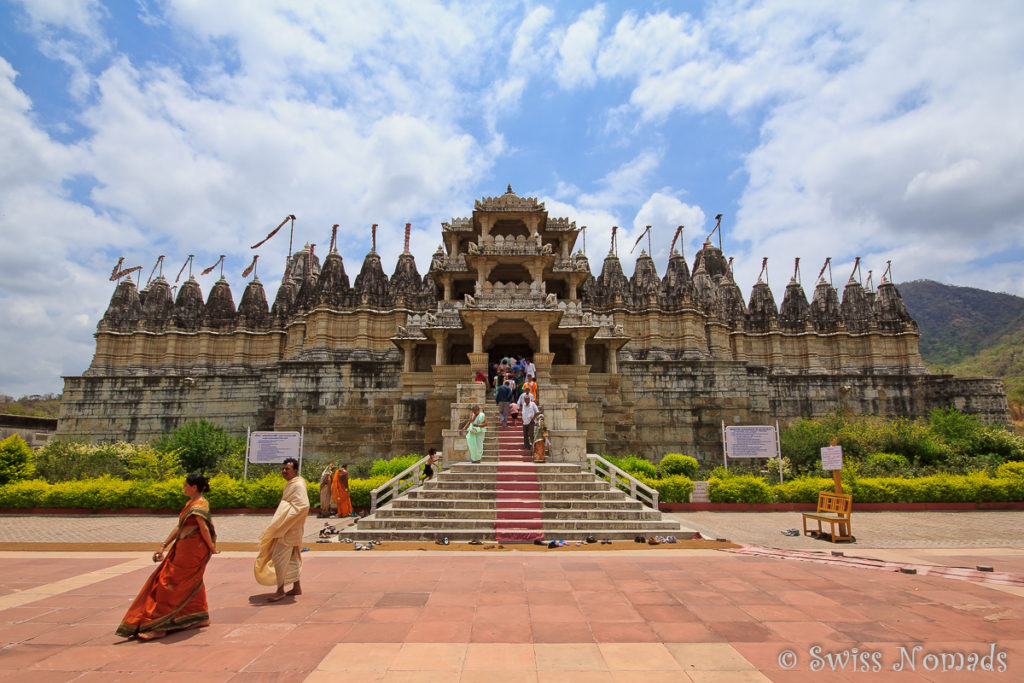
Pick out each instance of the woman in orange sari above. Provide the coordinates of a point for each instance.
(339, 489)
(174, 597)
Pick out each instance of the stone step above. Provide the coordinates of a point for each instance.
(478, 494)
(372, 523)
(549, 533)
(455, 513)
(491, 485)
(505, 475)
(468, 468)
(490, 503)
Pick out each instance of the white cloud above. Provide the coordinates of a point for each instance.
(578, 48)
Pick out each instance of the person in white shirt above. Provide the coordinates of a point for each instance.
(531, 369)
(528, 410)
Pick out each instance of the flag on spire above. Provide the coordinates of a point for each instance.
(210, 269)
(646, 230)
(671, 249)
(334, 239)
(188, 261)
(252, 266)
(289, 217)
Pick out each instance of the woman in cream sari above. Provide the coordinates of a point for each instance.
(476, 430)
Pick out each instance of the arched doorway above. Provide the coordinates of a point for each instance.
(509, 338)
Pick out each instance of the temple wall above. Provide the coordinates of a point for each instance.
(347, 408)
(139, 409)
(138, 352)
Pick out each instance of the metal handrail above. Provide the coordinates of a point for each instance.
(392, 486)
(637, 489)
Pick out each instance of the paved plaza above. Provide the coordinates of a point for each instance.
(525, 614)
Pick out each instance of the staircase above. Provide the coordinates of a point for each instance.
(507, 498)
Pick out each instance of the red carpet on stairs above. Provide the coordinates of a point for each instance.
(517, 503)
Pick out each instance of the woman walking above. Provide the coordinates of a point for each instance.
(476, 429)
(174, 597)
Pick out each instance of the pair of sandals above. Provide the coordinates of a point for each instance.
(442, 541)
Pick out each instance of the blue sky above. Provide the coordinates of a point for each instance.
(884, 130)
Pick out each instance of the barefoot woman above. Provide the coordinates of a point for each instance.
(174, 597)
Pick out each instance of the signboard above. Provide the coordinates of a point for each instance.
(274, 446)
(751, 442)
(832, 458)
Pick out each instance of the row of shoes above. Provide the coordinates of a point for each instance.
(369, 545)
(328, 530)
(442, 541)
(790, 532)
(655, 540)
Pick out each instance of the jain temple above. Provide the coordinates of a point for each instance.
(647, 363)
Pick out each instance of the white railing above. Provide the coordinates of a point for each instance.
(602, 469)
(389, 490)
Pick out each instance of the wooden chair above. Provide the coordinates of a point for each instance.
(834, 509)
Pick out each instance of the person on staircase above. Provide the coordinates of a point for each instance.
(528, 410)
(541, 444)
(428, 467)
(530, 386)
(476, 430)
(503, 398)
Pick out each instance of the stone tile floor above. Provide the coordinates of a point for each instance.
(698, 615)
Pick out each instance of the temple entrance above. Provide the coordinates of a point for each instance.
(509, 338)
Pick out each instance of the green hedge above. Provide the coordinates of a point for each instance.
(739, 488)
(677, 463)
(976, 487)
(111, 493)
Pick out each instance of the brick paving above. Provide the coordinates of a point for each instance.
(995, 528)
(697, 615)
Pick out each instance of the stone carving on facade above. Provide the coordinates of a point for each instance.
(509, 201)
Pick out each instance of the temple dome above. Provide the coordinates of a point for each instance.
(188, 308)
(825, 312)
(125, 307)
(253, 311)
(158, 308)
(220, 306)
(762, 314)
(795, 311)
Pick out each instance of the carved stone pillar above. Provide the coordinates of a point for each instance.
(579, 356)
(441, 349)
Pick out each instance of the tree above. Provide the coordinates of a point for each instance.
(16, 459)
(201, 445)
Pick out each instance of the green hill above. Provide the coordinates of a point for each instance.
(969, 332)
